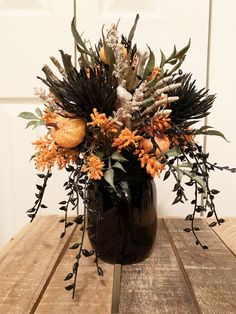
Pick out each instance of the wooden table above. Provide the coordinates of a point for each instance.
(178, 277)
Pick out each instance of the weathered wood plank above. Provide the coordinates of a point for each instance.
(156, 285)
(227, 232)
(212, 272)
(93, 293)
(27, 261)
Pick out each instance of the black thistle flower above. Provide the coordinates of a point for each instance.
(193, 104)
(80, 92)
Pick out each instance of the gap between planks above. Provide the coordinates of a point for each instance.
(181, 266)
(57, 262)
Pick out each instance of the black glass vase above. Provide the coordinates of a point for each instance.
(122, 227)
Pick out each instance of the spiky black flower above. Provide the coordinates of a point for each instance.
(80, 92)
(193, 104)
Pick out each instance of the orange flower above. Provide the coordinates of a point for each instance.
(154, 167)
(126, 138)
(161, 122)
(93, 166)
(100, 119)
(49, 153)
(49, 116)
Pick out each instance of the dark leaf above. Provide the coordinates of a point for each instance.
(221, 220)
(31, 216)
(187, 229)
(43, 206)
(205, 247)
(69, 224)
(41, 175)
(70, 168)
(75, 267)
(70, 287)
(100, 271)
(62, 235)
(197, 242)
(79, 219)
(177, 199)
(196, 228)
(87, 253)
(212, 224)
(189, 217)
(75, 246)
(39, 187)
(31, 210)
(62, 208)
(62, 202)
(209, 214)
(68, 276)
(62, 220)
(166, 176)
(213, 191)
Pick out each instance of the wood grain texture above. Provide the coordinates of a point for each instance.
(212, 272)
(227, 233)
(93, 293)
(27, 262)
(156, 285)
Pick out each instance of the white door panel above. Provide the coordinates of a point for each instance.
(30, 31)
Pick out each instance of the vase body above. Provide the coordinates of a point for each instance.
(122, 228)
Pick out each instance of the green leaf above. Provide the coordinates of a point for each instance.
(109, 177)
(148, 102)
(174, 152)
(186, 165)
(39, 123)
(117, 164)
(131, 33)
(180, 54)
(117, 156)
(203, 128)
(39, 112)
(214, 132)
(31, 123)
(28, 115)
(163, 60)
(150, 65)
(196, 178)
(77, 37)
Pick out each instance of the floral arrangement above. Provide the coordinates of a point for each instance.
(122, 108)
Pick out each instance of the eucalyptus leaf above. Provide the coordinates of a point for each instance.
(174, 152)
(186, 165)
(28, 115)
(109, 177)
(118, 165)
(38, 123)
(117, 156)
(31, 123)
(39, 112)
(196, 178)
